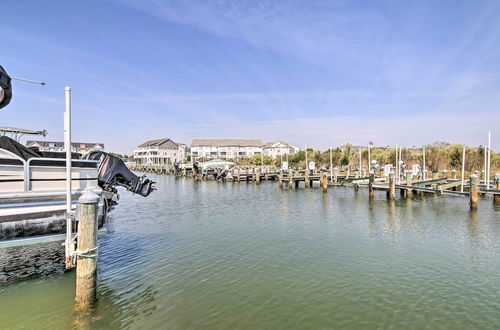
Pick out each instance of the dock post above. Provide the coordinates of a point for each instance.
(496, 181)
(370, 186)
(290, 179)
(473, 192)
(324, 182)
(306, 178)
(280, 179)
(257, 176)
(335, 178)
(391, 193)
(86, 253)
(409, 179)
(435, 175)
(356, 173)
(454, 174)
(347, 173)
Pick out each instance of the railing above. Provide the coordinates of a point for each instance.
(27, 167)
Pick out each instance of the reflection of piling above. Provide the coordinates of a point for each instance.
(473, 192)
(86, 269)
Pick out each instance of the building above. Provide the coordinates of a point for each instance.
(79, 147)
(278, 149)
(160, 151)
(225, 149)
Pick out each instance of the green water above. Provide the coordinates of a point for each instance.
(239, 256)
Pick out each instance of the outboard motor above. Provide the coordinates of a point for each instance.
(5, 88)
(113, 172)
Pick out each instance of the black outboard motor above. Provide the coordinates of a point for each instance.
(113, 172)
(5, 88)
(196, 168)
(177, 168)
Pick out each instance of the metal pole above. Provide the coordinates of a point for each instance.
(369, 160)
(28, 80)
(399, 163)
(67, 146)
(360, 148)
(423, 170)
(463, 171)
(489, 162)
(485, 164)
(331, 165)
(307, 168)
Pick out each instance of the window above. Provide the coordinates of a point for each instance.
(223, 153)
(213, 153)
(242, 153)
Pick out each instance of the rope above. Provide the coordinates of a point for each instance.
(87, 253)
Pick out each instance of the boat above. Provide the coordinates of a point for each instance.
(36, 205)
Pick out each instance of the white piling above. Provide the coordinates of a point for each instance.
(68, 251)
(463, 171)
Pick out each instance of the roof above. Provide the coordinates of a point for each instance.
(275, 144)
(226, 142)
(156, 143)
(61, 144)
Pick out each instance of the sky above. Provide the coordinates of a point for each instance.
(316, 73)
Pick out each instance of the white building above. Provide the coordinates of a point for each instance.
(225, 149)
(79, 147)
(278, 148)
(160, 151)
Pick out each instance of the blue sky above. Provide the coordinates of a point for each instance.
(315, 73)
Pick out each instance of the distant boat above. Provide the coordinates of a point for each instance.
(216, 164)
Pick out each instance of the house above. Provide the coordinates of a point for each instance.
(160, 151)
(79, 147)
(278, 149)
(225, 148)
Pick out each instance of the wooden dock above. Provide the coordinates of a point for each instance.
(295, 179)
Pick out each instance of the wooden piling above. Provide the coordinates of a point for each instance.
(257, 176)
(86, 253)
(307, 183)
(409, 182)
(391, 193)
(290, 179)
(324, 182)
(473, 191)
(371, 181)
(496, 181)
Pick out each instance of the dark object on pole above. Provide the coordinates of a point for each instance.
(5, 88)
(113, 172)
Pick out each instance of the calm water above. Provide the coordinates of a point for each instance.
(214, 256)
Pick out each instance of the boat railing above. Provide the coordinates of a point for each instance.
(28, 166)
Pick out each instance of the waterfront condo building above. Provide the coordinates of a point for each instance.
(160, 151)
(79, 147)
(225, 149)
(278, 149)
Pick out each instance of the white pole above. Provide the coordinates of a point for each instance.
(399, 163)
(331, 164)
(489, 162)
(305, 149)
(360, 148)
(423, 169)
(369, 161)
(463, 171)
(485, 163)
(67, 146)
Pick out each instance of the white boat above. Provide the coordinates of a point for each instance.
(216, 164)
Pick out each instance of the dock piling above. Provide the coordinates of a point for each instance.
(86, 253)
(473, 191)
(392, 187)
(370, 185)
(496, 181)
